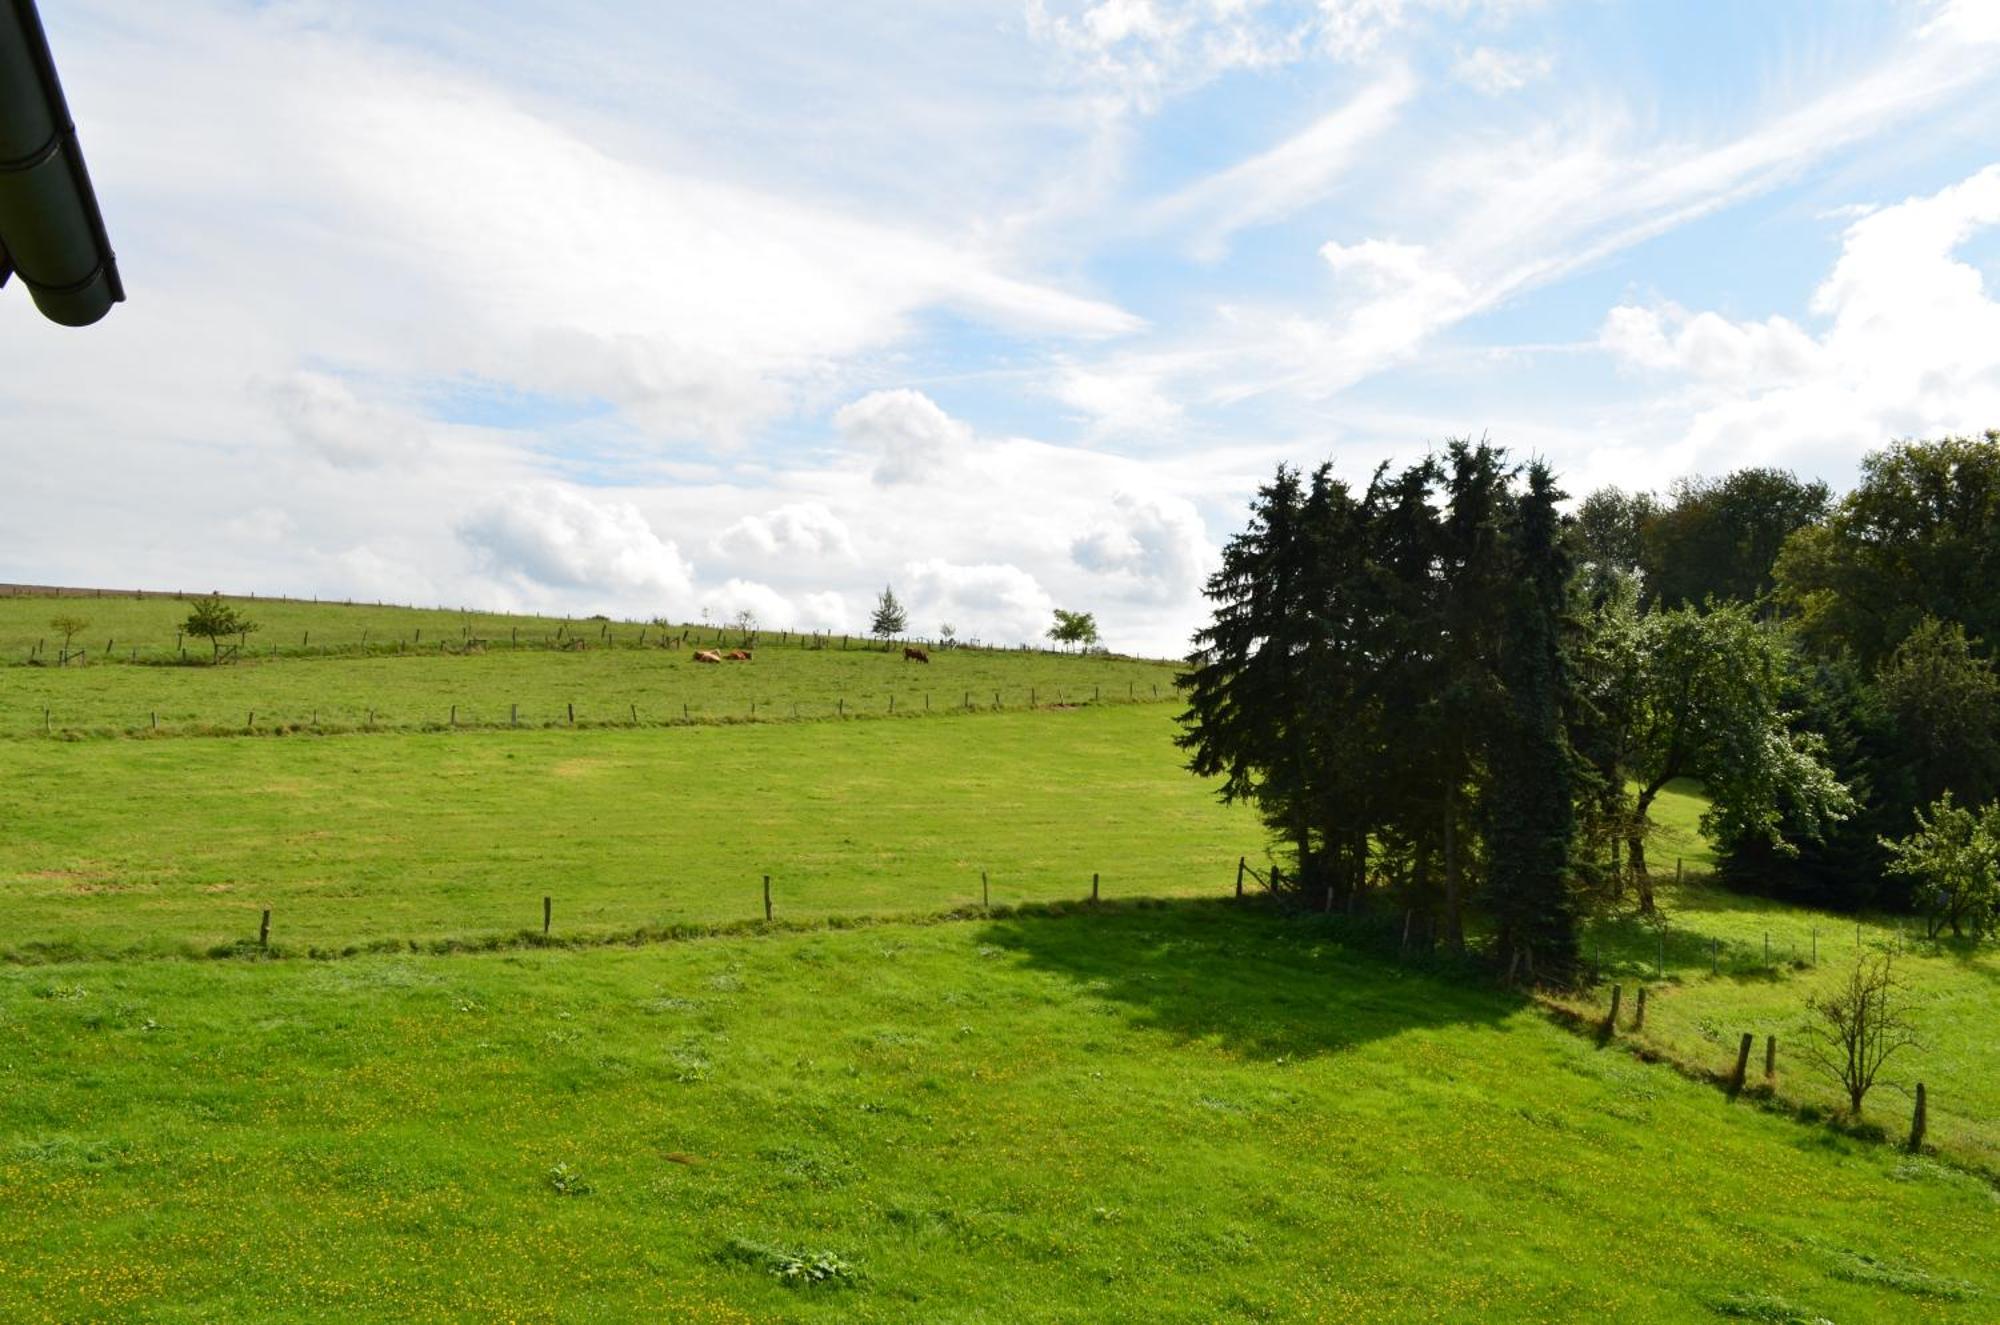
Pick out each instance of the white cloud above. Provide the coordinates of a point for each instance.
(1153, 548)
(546, 536)
(1709, 346)
(800, 531)
(1142, 51)
(1120, 397)
(1001, 604)
(911, 438)
(1495, 72)
(1283, 179)
(333, 423)
(1907, 349)
(1355, 29)
(825, 610)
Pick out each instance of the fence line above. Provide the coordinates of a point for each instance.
(627, 714)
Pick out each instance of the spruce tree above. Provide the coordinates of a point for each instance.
(890, 618)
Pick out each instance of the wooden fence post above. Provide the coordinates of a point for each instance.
(1639, 1011)
(1918, 1120)
(1093, 888)
(572, 713)
(1742, 1065)
(548, 913)
(1611, 1021)
(767, 897)
(1239, 878)
(1770, 1058)
(264, 929)
(985, 892)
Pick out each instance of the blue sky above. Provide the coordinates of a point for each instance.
(665, 310)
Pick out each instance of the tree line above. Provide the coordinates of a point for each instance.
(1440, 688)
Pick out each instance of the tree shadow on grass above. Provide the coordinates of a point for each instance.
(1255, 982)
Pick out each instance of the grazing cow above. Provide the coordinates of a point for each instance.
(707, 655)
(915, 655)
(737, 655)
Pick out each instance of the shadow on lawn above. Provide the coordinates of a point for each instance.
(1258, 983)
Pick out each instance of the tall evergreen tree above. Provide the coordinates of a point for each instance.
(1528, 813)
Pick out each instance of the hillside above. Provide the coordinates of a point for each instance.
(331, 667)
(412, 1104)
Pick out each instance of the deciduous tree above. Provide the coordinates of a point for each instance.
(215, 621)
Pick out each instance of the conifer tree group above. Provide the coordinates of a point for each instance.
(1385, 677)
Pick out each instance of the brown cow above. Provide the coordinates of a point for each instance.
(707, 655)
(915, 655)
(737, 655)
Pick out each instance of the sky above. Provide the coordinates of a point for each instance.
(686, 309)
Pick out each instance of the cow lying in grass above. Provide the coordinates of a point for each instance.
(707, 655)
(737, 655)
(915, 655)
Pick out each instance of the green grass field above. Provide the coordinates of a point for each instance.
(1191, 1112)
(174, 846)
(412, 1107)
(599, 684)
(1719, 984)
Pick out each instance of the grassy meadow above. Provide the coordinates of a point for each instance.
(596, 684)
(1718, 984)
(1187, 1111)
(892, 1104)
(174, 846)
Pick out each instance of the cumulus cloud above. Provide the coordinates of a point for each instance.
(1907, 346)
(1152, 548)
(800, 531)
(548, 536)
(773, 609)
(1709, 346)
(1001, 604)
(911, 438)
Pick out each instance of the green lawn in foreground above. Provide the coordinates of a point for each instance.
(1183, 1113)
(173, 845)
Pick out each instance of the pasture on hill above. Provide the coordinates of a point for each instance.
(893, 1102)
(320, 677)
(1180, 1112)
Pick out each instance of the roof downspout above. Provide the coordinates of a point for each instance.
(51, 233)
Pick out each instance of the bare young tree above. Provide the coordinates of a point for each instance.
(1852, 1028)
(69, 627)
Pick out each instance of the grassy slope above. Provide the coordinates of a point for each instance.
(1188, 1113)
(169, 844)
(605, 685)
(1719, 984)
(150, 624)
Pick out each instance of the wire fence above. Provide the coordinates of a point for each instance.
(288, 718)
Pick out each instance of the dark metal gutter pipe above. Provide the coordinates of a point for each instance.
(51, 232)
